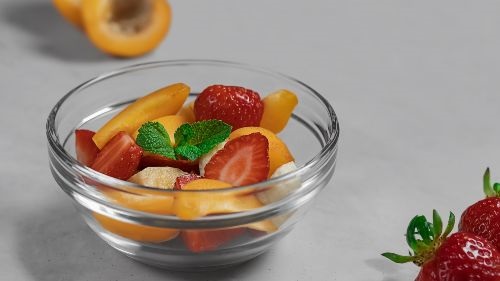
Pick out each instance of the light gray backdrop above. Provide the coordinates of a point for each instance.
(415, 83)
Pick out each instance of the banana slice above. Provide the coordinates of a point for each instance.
(159, 177)
(206, 158)
(280, 190)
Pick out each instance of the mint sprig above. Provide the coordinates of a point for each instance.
(154, 138)
(195, 139)
(192, 140)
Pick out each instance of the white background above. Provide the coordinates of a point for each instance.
(415, 84)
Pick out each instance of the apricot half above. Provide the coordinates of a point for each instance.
(136, 232)
(278, 108)
(70, 10)
(126, 28)
(189, 206)
(150, 201)
(165, 101)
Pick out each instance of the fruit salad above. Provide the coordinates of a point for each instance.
(226, 137)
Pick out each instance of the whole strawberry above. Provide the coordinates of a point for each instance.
(483, 218)
(237, 106)
(460, 257)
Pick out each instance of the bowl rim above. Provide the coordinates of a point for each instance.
(57, 146)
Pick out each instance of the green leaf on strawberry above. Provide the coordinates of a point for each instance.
(423, 237)
(489, 189)
(459, 256)
(154, 138)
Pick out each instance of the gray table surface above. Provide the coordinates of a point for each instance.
(415, 84)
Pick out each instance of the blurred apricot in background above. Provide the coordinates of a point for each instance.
(123, 28)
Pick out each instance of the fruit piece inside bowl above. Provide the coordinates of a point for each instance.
(161, 142)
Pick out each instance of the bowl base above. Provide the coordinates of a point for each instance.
(175, 260)
(185, 268)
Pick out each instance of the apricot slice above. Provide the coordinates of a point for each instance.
(278, 151)
(146, 201)
(278, 108)
(165, 101)
(170, 123)
(151, 201)
(187, 112)
(126, 28)
(70, 10)
(192, 205)
(136, 232)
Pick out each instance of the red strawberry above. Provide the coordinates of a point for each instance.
(462, 256)
(428, 272)
(237, 106)
(208, 240)
(119, 158)
(243, 160)
(155, 160)
(86, 149)
(483, 217)
(181, 181)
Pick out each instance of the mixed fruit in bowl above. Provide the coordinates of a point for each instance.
(225, 138)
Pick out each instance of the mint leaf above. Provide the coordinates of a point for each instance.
(183, 134)
(203, 135)
(188, 151)
(154, 138)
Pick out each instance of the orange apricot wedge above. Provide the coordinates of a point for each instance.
(136, 232)
(278, 151)
(278, 108)
(187, 112)
(192, 205)
(70, 10)
(170, 123)
(150, 201)
(126, 28)
(165, 101)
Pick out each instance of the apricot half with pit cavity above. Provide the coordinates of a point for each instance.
(126, 28)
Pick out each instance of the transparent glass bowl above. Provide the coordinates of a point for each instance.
(156, 238)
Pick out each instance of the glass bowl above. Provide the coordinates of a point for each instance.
(118, 210)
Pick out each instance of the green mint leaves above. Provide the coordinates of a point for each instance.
(154, 138)
(192, 140)
(195, 139)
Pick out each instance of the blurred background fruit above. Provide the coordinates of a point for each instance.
(123, 28)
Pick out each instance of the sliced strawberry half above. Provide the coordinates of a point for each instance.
(86, 149)
(209, 240)
(181, 181)
(155, 160)
(243, 160)
(119, 158)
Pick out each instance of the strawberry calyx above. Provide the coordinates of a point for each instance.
(490, 190)
(424, 238)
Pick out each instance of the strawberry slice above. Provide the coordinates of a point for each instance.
(155, 160)
(86, 149)
(208, 240)
(181, 181)
(119, 158)
(243, 160)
